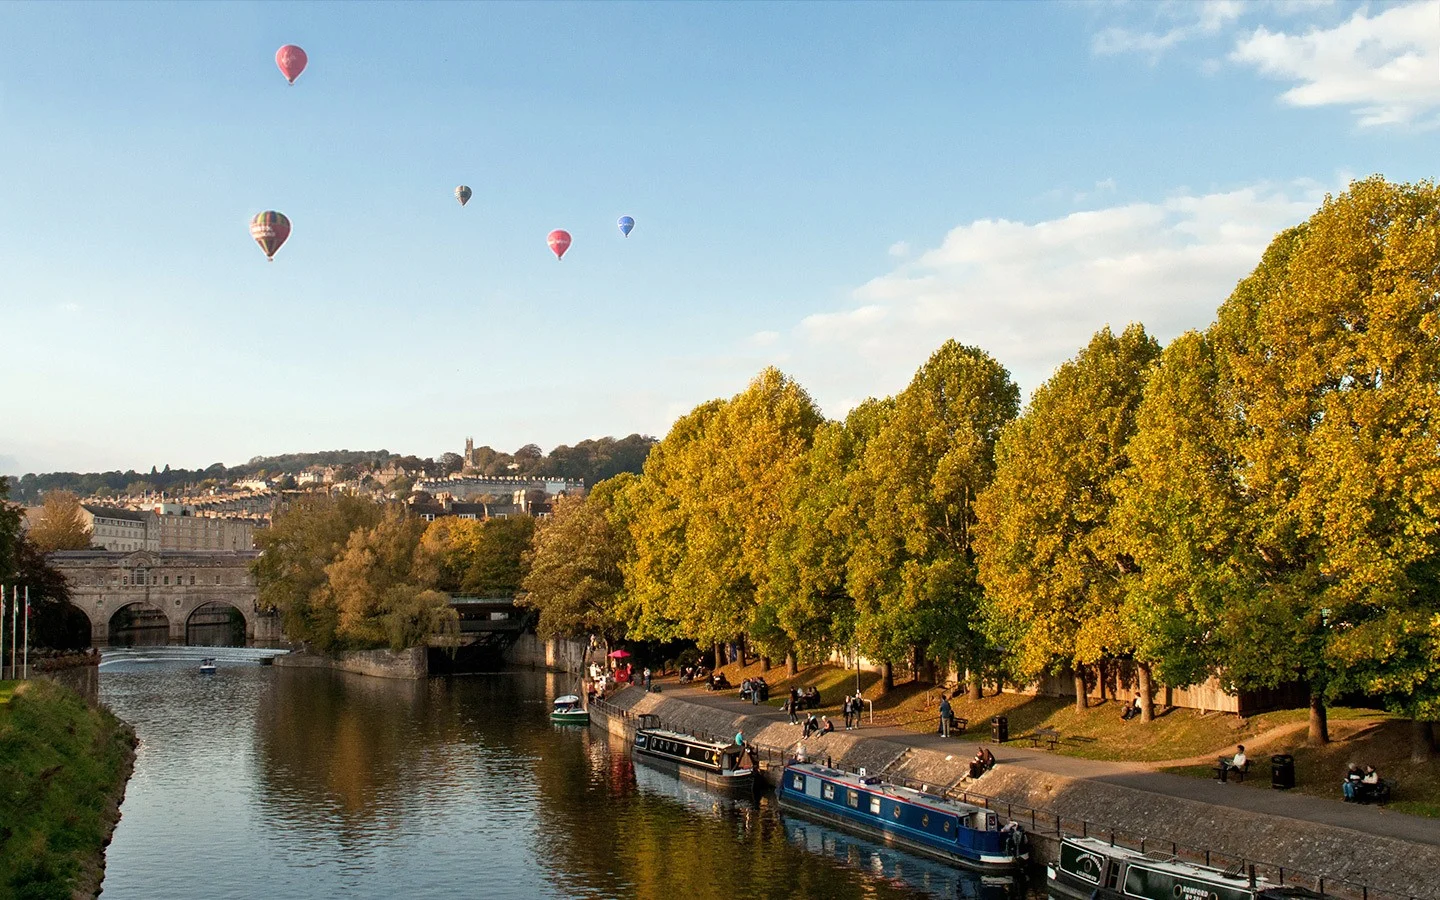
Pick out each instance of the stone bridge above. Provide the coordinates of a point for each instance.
(174, 582)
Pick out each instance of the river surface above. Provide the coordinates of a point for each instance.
(299, 783)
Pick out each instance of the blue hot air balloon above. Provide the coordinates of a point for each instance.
(626, 223)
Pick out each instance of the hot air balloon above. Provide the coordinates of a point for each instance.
(462, 193)
(626, 223)
(270, 229)
(559, 242)
(291, 60)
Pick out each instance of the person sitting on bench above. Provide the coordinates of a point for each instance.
(1236, 763)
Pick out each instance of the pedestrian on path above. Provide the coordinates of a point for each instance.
(849, 710)
(947, 715)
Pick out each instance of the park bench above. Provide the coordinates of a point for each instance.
(1050, 736)
(1223, 769)
(958, 724)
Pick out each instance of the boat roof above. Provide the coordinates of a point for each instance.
(690, 739)
(1164, 862)
(909, 795)
(566, 700)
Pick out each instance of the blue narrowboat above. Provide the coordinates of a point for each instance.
(955, 832)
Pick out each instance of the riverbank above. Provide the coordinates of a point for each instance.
(410, 664)
(1308, 837)
(64, 764)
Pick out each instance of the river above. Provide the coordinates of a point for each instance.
(283, 783)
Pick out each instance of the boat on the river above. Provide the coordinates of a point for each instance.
(207, 666)
(569, 710)
(1090, 868)
(958, 833)
(718, 765)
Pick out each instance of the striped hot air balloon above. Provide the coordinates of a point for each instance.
(462, 193)
(270, 229)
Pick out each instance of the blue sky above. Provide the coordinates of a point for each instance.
(833, 189)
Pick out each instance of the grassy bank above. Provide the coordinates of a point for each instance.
(63, 768)
(1184, 741)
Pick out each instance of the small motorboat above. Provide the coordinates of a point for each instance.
(207, 666)
(569, 710)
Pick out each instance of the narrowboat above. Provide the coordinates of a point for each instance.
(958, 833)
(568, 710)
(717, 765)
(1090, 868)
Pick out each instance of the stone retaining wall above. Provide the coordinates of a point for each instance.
(560, 654)
(1385, 864)
(410, 663)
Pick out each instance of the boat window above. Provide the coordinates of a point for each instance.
(897, 811)
(827, 790)
(924, 820)
(948, 823)
(853, 799)
(875, 806)
(798, 782)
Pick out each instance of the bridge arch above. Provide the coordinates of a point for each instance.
(139, 622)
(217, 622)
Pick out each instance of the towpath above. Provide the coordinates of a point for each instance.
(1137, 776)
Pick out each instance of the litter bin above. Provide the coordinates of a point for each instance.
(1282, 771)
(1000, 729)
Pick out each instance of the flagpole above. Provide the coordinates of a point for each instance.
(25, 671)
(2, 632)
(14, 622)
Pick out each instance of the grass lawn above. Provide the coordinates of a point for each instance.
(62, 766)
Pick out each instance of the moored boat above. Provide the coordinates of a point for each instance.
(716, 764)
(569, 710)
(959, 833)
(1090, 868)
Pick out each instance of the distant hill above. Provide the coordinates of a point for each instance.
(589, 460)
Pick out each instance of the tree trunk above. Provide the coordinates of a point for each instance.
(719, 656)
(931, 675)
(915, 661)
(1319, 725)
(976, 690)
(1082, 702)
(764, 663)
(792, 665)
(1147, 701)
(887, 677)
(1421, 744)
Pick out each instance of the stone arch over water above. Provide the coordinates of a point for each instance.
(139, 623)
(217, 623)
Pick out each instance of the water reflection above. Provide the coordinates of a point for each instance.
(305, 783)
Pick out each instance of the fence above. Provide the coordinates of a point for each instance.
(1049, 823)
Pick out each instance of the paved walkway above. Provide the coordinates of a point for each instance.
(1137, 776)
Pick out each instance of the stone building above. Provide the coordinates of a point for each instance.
(175, 583)
(169, 526)
(117, 529)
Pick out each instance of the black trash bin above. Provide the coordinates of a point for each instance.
(1282, 771)
(1000, 729)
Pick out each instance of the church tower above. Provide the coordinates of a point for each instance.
(469, 451)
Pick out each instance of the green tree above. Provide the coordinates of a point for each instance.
(305, 538)
(912, 565)
(708, 506)
(573, 575)
(1053, 572)
(61, 525)
(371, 586)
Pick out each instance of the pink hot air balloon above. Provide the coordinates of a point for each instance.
(291, 60)
(559, 242)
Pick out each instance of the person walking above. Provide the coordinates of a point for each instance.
(857, 706)
(647, 678)
(847, 710)
(947, 715)
(792, 707)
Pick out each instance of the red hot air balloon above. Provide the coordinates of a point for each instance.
(291, 60)
(270, 229)
(559, 242)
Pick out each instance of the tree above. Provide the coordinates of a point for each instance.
(1323, 493)
(1053, 572)
(450, 463)
(707, 505)
(305, 538)
(371, 587)
(61, 525)
(471, 556)
(573, 575)
(912, 566)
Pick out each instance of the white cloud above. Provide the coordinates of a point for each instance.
(764, 338)
(1032, 294)
(1182, 22)
(1386, 66)
(900, 249)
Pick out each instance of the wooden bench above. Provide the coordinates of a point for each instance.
(958, 724)
(1223, 769)
(1050, 736)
